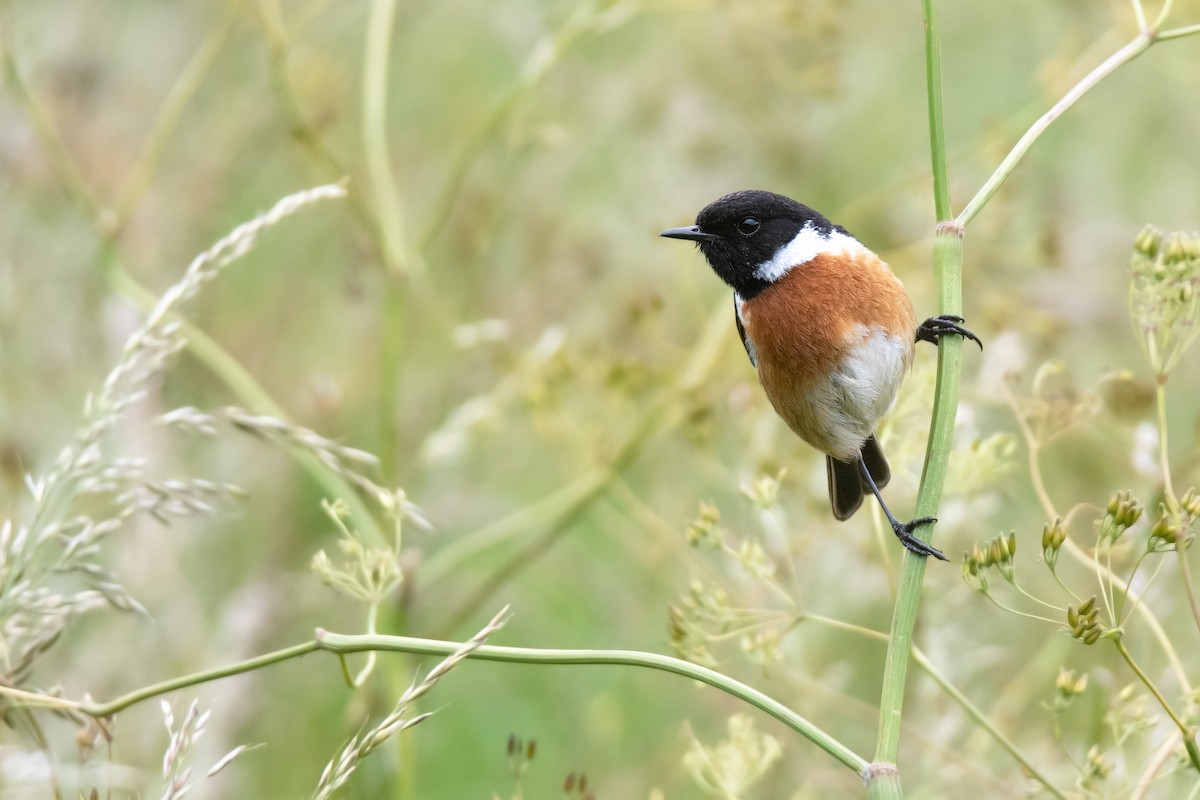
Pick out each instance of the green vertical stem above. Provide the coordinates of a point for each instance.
(1160, 392)
(375, 138)
(937, 131)
(883, 780)
(948, 266)
(398, 258)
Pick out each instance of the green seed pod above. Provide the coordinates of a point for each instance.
(1012, 544)
(1176, 249)
(1093, 637)
(995, 552)
(1191, 245)
(1131, 513)
(1148, 241)
(1060, 534)
(1072, 616)
(1191, 502)
(1087, 606)
(1165, 530)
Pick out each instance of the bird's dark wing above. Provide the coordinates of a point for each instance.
(746, 343)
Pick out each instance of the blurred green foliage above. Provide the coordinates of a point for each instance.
(545, 332)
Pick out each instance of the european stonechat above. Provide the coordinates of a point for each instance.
(829, 329)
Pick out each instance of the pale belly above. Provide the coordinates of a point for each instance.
(837, 414)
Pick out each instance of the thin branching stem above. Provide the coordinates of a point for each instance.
(1185, 572)
(1025, 614)
(380, 172)
(1172, 501)
(1140, 13)
(1164, 458)
(1163, 13)
(167, 120)
(1037, 599)
(1179, 33)
(1119, 618)
(974, 712)
(1160, 759)
(1066, 588)
(1103, 573)
(1085, 559)
(1118, 59)
(1138, 598)
(1189, 735)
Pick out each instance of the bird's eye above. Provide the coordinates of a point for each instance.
(749, 226)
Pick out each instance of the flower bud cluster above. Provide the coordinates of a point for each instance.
(1165, 271)
(998, 553)
(1123, 512)
(1068, 685)
(1167, 534)
(1190, 503)
(1053, 537)
(704, 530)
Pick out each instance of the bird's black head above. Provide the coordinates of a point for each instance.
(743, 231)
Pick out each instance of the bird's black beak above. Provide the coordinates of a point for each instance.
(691, 233)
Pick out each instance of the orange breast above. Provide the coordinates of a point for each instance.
(810, 325)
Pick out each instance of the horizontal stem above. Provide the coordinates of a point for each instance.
(1179, 33)
(345, 644)
(123, 702)
(339, 643)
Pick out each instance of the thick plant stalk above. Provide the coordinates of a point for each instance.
(881, 782)
(883, 778)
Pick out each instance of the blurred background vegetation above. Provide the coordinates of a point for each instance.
(558, 389)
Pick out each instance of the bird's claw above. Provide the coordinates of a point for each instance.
(904, 532)
(935, 328)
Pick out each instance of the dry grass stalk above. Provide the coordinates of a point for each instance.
(339, 769)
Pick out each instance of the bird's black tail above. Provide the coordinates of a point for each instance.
(846, 489)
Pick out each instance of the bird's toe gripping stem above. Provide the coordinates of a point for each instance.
(934, 328)
(904, 532)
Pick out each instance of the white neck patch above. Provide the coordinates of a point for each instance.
(804, 247)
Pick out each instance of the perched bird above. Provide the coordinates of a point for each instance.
(827, 326)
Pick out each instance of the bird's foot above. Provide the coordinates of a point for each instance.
(934, 328)
(904, 532)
